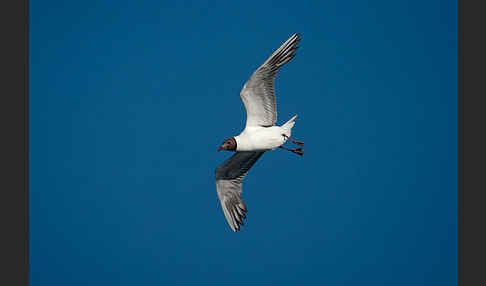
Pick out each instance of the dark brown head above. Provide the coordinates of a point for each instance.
(228, 144)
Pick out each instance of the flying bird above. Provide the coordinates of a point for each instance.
(260, 133)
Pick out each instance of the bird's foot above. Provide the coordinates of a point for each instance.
(296, 151)
(293, 141)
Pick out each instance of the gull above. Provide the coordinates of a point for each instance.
(260, 133)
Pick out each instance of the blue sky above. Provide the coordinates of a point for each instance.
(130, 99)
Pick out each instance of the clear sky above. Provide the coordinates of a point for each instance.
(129, 101)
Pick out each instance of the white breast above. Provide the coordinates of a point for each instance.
(259, 138)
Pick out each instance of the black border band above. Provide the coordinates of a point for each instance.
(14, 120)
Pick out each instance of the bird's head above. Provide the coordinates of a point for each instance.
(228, 144)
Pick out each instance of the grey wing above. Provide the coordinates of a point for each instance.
(229, 176)
(258, 93)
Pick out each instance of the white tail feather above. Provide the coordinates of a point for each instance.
(288, 125)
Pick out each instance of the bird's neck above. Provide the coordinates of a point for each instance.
(241, 142)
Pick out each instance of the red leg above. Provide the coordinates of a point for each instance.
(296, 151)
(294, 141)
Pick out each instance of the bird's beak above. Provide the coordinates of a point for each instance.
(219, 149)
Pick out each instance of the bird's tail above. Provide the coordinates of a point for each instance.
(288, 125)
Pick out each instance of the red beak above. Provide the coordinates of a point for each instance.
(219, 149)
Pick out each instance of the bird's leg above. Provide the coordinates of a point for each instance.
(296, 151)
(294, 141)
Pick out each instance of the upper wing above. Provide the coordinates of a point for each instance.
(258, 93)
(229, 176)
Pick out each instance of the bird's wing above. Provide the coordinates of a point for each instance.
(229, 176)
(258, 93)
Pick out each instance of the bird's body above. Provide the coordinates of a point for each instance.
(259, 136)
